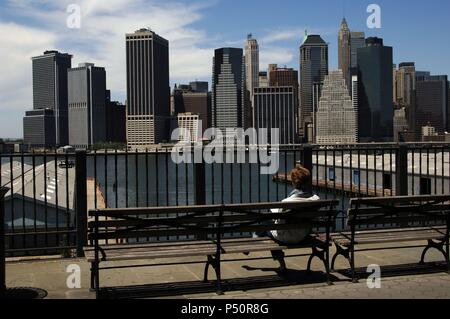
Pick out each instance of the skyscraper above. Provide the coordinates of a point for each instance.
(50, 92)
(228, 86)
(355, 102)
(194, 99)
(400, 124)
(313, 69)
(405, 84)
(148, 89)
(286, 77)
(263, 79)
(375, 114)
(87, 105)
(251, 75)
(336, 115)
(431, 103)
(251, 64)
(283, 77)
(275, 108)
(357, 41)
(344, 52)
(199, 86)
(39, 128)
(116, 121)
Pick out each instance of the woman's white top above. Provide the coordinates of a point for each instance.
(293, 236)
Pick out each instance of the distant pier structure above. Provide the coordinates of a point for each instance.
(375, 175)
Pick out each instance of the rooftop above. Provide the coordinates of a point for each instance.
(45, 187)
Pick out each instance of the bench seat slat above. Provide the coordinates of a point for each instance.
(389, 236)
(385, 240)
(393, 230)
(187, 249)
(148, 245)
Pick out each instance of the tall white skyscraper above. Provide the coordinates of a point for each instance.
(355, 100)
(251, 63)
(336, 115)
(251, 69)
(344, 52)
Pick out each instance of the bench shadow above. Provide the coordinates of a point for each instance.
(179, 289)
(398, 270)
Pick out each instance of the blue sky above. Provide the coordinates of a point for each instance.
(418, 31)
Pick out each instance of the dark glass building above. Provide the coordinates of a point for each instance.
(313, 69)
(199, 86)
(50, 92)
(375, 92)
(228, 90)
(39, 128)
(431, 103)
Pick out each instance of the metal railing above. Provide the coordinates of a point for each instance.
(39, 206)
(2, 243)
(50, 193)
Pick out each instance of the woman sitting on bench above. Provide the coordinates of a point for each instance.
(300, 178)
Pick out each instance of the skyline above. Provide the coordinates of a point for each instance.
(194, 30)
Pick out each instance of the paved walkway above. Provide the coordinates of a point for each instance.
(249, 278)
(434, 286)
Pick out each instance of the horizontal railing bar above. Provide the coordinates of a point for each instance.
(61, 232)
(18, 250)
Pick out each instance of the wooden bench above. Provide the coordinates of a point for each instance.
(399, 219)
(203, 228)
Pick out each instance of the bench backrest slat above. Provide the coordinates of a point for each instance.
(399, 211)
(205, 220)
(170, 232)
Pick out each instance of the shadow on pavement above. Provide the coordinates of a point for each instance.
(290, 278)
(398, 270)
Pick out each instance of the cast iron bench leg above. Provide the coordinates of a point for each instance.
(209, 262)
(92, 289)
(438, 246)
(340, 251)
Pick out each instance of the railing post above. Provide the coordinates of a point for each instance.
(81, 201)
(307, 162)
(199, 178)
(199, 182)
(401, 173)
(3, 191)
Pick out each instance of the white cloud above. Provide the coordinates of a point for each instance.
(41, 25)
(19, 44)
(280, 56)
(101, 40)
(294, 33)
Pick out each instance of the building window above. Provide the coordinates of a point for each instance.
(387, 181)
(356, 177)
(425, 186)
(331, 175)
